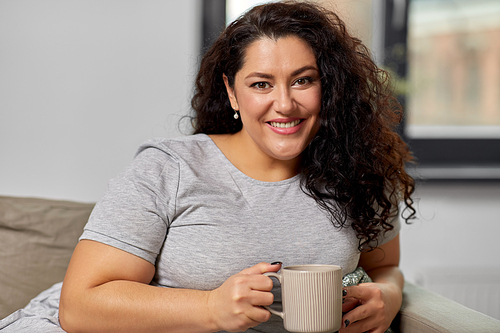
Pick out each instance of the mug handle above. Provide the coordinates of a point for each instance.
(277, 276)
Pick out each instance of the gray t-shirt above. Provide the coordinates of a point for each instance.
(184, 207)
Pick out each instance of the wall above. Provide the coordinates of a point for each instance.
(457, 226)
(83, 83)
(452, 247)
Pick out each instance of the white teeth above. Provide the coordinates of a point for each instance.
(285, 125)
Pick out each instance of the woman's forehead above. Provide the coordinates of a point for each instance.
(267, 54)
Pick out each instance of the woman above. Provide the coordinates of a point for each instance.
(294, 158)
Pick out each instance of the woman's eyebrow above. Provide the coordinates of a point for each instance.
(270, 76)
(260, 75)
(303, 69)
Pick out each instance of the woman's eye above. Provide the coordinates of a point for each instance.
(261, 85)
(302, 81)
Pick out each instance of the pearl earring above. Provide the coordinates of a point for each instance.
(236, 116)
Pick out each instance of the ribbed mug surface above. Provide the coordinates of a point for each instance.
(312, 298)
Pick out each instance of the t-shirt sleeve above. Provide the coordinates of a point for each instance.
(137, 207)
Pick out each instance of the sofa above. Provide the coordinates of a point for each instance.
(38, 236)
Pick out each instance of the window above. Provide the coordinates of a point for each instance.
(452, 86)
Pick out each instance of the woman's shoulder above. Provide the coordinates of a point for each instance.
(162, 161)
(184, 147)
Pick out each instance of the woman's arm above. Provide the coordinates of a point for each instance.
(373, 306)
(107, 289)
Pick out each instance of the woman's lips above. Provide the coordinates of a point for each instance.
(285, 127)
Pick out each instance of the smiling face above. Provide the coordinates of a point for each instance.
(278, 95)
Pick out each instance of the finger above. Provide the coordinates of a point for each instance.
(258, 315)
(356, 318)
(358, 313)
(358, 292)
(349, 303)
(260, 298)
(261, 282)
(365, 325)
(261, 268)
(246, 282)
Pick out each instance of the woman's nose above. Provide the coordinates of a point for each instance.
(284, 102)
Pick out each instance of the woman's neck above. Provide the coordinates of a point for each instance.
(252, 161)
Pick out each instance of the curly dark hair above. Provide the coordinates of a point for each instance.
(355, 165)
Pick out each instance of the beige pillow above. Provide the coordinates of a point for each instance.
(37, 238)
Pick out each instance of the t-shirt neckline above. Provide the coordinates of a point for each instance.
(239, 174)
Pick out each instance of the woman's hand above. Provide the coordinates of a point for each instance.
(370, 307)
(237, 304)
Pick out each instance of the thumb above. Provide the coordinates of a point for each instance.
(262, 267)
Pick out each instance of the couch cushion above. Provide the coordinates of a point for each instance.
(424, 311)
(37, 238)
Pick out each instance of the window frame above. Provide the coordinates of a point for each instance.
(213, 22)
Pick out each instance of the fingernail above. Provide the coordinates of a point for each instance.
(344, 293)
(347, 322)
(277, 263)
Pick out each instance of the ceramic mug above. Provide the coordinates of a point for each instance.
(311, 297)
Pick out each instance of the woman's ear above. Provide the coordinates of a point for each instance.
(230, 93)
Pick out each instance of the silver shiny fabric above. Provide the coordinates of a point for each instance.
(356, 277)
